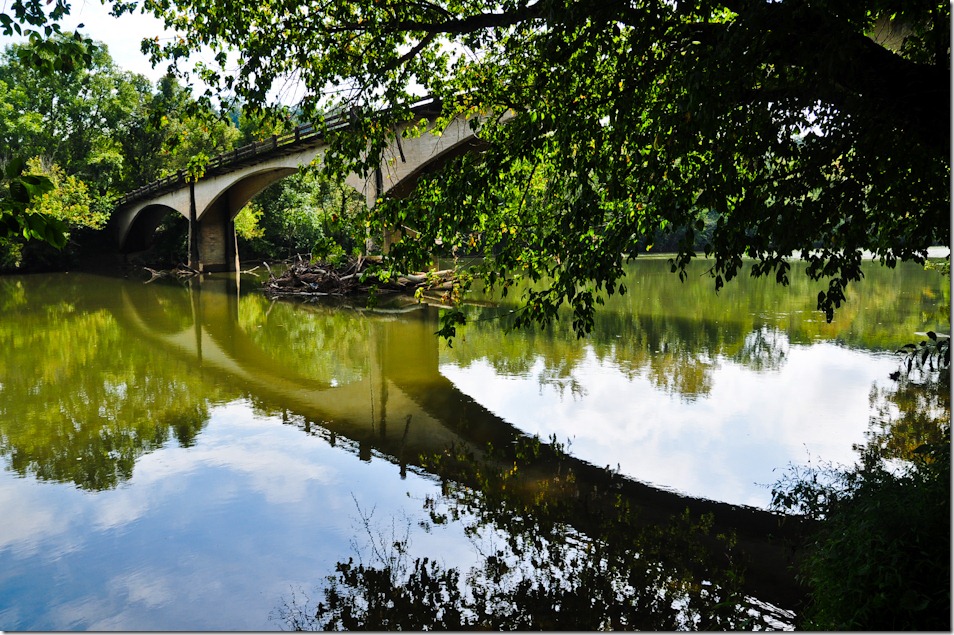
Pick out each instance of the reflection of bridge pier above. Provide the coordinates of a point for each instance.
(400, 407)
(219, 305)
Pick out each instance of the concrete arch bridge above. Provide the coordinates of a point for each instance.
(232, 179)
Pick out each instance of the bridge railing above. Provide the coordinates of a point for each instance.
(302, 135)
(305, 134)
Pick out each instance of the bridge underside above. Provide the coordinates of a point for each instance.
(142, 232)
(213, 245)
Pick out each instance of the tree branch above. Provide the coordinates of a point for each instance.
(456, 26)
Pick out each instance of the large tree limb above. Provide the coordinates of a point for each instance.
(840, 66)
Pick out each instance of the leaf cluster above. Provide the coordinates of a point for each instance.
(21, 191)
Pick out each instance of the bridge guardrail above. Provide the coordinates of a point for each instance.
(304, 134)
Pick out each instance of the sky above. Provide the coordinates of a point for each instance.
(122, 35)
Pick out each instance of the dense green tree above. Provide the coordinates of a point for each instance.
(69, 122)
(101, 129)
(74, 118)
(18, 192)
(38, 22)
(102, 124)
(812, 130)
(187, 131)
(68, 203)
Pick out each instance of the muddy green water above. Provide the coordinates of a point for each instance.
(190, 456)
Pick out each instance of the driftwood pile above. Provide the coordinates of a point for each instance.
(310, 279)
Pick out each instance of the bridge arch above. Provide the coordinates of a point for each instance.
(141, 229)
(247, 187)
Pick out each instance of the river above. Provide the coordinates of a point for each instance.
(193, 456)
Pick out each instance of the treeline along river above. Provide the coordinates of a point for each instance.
(194, 456)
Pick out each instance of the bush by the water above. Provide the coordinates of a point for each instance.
(881, 558)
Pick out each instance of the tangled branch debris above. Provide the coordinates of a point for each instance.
(309, 279)
(181, 271)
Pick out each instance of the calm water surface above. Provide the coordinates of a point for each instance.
(196, 457)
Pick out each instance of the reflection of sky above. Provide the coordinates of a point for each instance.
(206, 538)
(727, 445)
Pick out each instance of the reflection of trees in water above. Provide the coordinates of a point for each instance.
(912, 413)
(764, 349)
(881, 558)
(676, 355)
(318, 342)
(674, 333)
(533, 571)
(561, 379)
(81, 400)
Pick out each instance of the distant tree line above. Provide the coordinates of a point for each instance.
(96, 131)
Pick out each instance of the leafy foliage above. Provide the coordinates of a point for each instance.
(809, 130)
(75, 117)
(51, 53)
(16, 223)
(67, 203)
(38, 21)
(931, 354)
(69, 200)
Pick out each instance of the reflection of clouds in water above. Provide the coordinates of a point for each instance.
(126, 594)
(77, 614)
(36, 513)
(204, 538)
(141, 587)
(724, 445)
(252, 446)
(249, 447)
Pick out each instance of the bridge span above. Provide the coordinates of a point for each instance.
(211, 202)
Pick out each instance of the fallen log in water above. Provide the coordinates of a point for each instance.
(181, 271)
(316, 279)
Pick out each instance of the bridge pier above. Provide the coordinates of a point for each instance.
(213, 246)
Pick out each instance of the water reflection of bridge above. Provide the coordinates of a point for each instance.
(402, 407)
